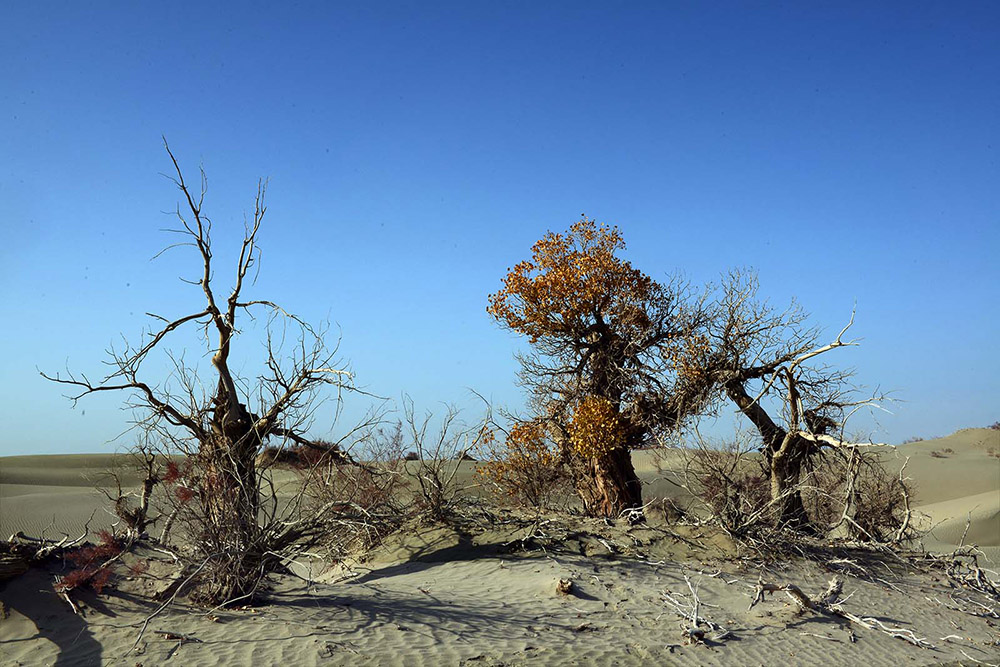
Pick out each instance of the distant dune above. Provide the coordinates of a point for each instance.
(957, 480)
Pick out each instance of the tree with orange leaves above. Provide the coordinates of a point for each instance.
(605, 370)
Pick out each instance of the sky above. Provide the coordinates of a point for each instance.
(414, 151)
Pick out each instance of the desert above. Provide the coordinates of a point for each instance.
(500, 333)
(486, 594)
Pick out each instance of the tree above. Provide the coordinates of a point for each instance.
(602, 372)
(222, 425)
(761, 360)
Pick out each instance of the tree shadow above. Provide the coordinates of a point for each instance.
(33, 596)
(471, 621)
(429, 552)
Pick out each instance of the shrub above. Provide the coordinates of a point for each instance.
(360, 502)
(93, 564)
(441, 444)
(878, 501)
(735, 491)
(524, 468)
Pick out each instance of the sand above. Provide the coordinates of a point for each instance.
(437, 596)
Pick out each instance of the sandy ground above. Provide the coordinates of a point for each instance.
(437, 596)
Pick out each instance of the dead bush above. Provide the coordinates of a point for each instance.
(364, 500)
(441, 445)
(881, 504)
(854, 488)
(844, 491)
(732, 486)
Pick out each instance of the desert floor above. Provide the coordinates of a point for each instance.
(442, 596)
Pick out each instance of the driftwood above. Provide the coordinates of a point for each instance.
(21, 551)
(981, 585)
(829, 604)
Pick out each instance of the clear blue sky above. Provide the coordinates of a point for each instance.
(848, 151)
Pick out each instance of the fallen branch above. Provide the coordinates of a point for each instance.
(828, 604)
(689, 611)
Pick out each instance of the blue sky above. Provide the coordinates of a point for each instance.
(847, 151)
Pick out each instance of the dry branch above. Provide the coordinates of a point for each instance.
(828, 604)
(688, 607)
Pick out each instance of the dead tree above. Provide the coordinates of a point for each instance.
(762, 361)
(224, 423)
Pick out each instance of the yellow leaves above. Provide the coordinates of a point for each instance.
(571, 277)
(524, 467)
(596, 428)
(690, 358)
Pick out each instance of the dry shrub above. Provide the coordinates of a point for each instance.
(92, 564)
(733, 488)
(855, 488)
(364, 501)
(228, 553)
(441, 445)
(524, 469)
(881, 504)
(838, 487)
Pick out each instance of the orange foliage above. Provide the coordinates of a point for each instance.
(596, 428)
(524, 467)
(690, 359)
(571, 279)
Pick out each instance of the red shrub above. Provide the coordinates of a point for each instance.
(91, 564)
(173, 473)
(183, 494)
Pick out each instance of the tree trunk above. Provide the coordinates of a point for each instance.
(786, 469)
(785, 463)
(616, 486)
(230, 494)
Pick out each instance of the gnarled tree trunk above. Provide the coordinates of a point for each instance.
(785, 454)
(617, 488)
(786, 471)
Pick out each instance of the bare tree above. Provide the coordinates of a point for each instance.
(223, 424)
(764, 362)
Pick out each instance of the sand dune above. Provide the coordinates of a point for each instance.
(442, 597)
(957, 480)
